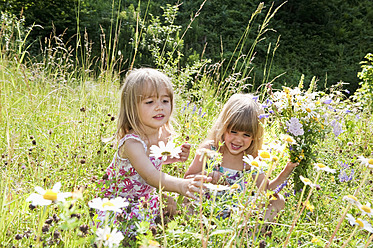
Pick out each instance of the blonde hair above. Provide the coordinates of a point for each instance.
(240, 113)
(138, 85)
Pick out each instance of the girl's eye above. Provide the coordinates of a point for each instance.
(149, 102)
(233, 131)
(166, 101)
(247, 135)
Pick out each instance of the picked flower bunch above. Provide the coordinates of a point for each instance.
(303, 119)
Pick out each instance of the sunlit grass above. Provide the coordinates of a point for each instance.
(53, 120)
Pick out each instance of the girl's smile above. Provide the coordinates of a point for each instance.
(237, 141)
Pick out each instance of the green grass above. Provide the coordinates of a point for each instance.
(53, 119)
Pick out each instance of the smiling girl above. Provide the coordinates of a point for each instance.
(240, 131)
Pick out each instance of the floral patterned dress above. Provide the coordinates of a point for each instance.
(124, 181)
(235, 176)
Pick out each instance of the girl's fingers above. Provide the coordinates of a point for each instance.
(202, 178)
(190, 195)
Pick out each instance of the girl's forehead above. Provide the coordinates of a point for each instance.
(151, 90)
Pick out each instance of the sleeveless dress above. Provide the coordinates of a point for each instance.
(235, 176)
(124, 181)
(232, 177)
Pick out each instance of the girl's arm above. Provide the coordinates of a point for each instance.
(196, 165)
(260, 179)
(134, 151)
(284, 174)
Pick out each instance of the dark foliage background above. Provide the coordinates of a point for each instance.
(323, 38)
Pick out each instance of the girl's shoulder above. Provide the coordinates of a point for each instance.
(131, 138)
(130, 143)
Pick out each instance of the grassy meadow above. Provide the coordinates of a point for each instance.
(55, 113)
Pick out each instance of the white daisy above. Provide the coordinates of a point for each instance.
(368, 162)
(306, 181)
(360, 222)
(216, 187)
(265, 155)
(254, 162)
(164, 151)
(109, 238)
(309, 109)
(351, 199)
(320, 166)
(46, 197)
(288, 139)
(366, 209)
(153, 244)
(277, 146)
(108, 205)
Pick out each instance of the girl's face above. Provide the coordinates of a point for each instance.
(237, 142)
(155, 111)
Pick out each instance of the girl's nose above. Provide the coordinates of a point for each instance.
(158, 106)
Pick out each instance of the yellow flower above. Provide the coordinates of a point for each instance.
(187, 125)
(235, 186)
(309, 206)
(315, 240)
(264, 154)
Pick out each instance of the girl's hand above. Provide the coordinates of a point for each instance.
(183, 155)
(185, 150)
(217, 177)
(290, 166)
(194, 185)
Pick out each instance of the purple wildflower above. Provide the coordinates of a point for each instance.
(200, 111)
(263, 116)
(255, 98)
(204, 113)
(194, 109)
(347, 91)
(328, 101)
(337, 128)
(280, 187)
(295, 127)
(343, 176)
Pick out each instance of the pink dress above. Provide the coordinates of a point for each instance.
(127, 183)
